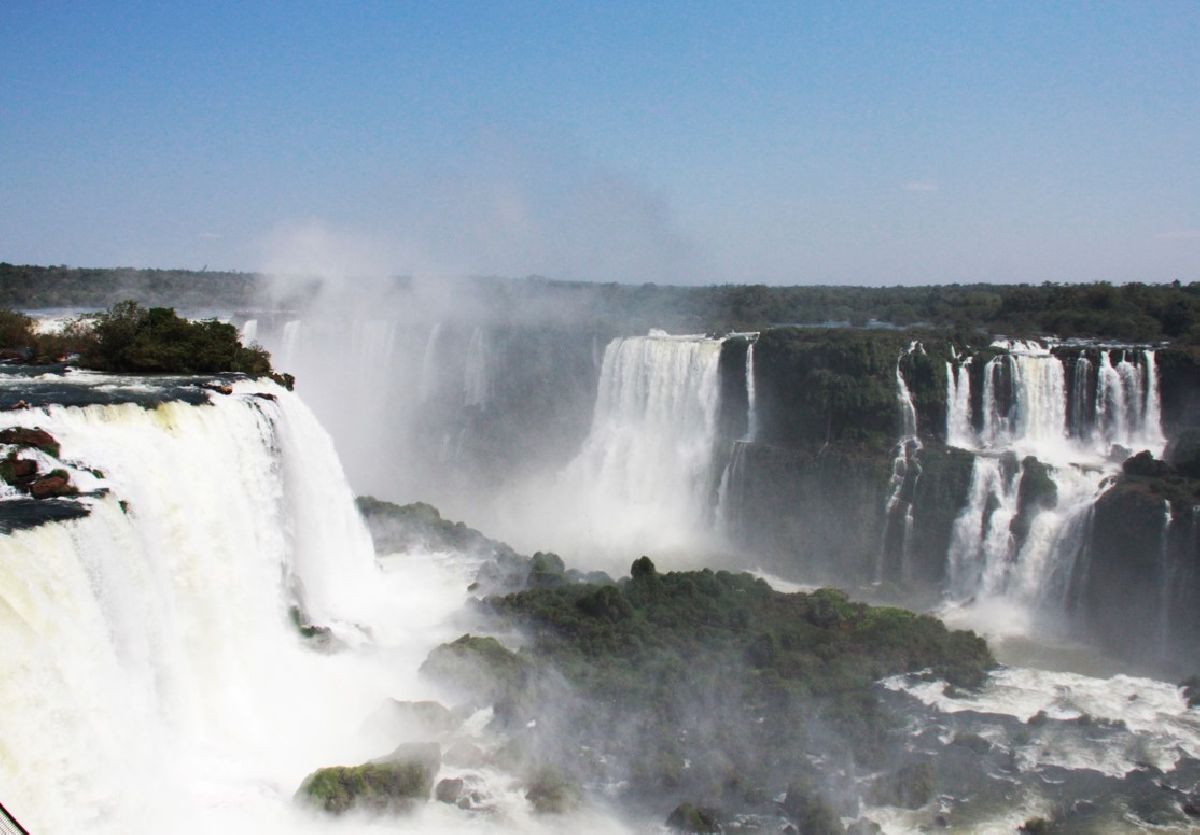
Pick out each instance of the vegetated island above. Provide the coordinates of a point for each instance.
(699, 695)
(131, 339)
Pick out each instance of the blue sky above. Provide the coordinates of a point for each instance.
(847, 142)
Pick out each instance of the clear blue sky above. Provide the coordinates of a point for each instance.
(803, 142)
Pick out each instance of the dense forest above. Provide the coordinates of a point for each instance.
(1134, 312)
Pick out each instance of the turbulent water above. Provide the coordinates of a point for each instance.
(1071, 422)
(644, 479)
(153, 680)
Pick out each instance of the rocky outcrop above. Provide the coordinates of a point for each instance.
(390, 784)
(26, 437)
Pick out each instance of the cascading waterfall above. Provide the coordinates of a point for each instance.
(290, 343)
(644, 475)
(476, 379)
(751, 394)
(429, 362)
(154, 680)
(1027, 404)
(905, 472)
(150, 669)
(958, 404)
(732, 485)
(1031, 408)
(250, 332)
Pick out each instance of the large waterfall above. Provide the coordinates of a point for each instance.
(153, 680)
(644, 478)
(1048, 433)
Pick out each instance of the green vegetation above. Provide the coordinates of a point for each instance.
(130, 338)
(392, 784)
(839, 386)
(698, 686)
(1133, 311)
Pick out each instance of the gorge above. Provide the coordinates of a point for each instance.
(208, 589)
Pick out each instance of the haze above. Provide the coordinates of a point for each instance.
(685, 143)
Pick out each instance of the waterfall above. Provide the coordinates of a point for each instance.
(958, 404)
(250, 332)
(153, 682)
(288, 354)
(995, 425)
(905, 472)
(1152, 433)
(1080, 412)
(982, 540)
(476, 379)
(429, 363)
(731, 493)
(1032, 407)
(1028, 403)
(644, 475)
(751, 394)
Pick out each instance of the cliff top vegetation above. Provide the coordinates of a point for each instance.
(132, 339)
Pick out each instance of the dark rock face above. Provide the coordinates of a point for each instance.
(1183, 453)
(1145, 464)
(689, 818)
(1125, 578)
(818, 512)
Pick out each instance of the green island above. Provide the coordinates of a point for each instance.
(705, 688)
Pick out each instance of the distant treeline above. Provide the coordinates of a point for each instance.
(1134, 312)
(31, 287)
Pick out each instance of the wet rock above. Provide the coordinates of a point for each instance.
(51, 486)
(1183, 453)
(427, 715)
(551, 793)
(23, 436)
(448, 791)
(1145, 464)
(689, 818)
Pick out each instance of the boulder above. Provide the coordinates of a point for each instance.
(50, 486)
(689, 818)
(448, 791)
(482, 667)
(552, 794)
(24, 436)
(1145, 464)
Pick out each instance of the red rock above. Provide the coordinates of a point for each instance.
(50, 486)
(22, 436)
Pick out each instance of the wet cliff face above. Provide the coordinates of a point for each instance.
(1179, 371)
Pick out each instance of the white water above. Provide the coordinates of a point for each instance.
(643, 479)
(250, 332)
(153, 682)
(1160, 727)
(985, 563)
(904, 462)
(476, 378)
(751, 395)
(958, 400)
(1046, 420)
